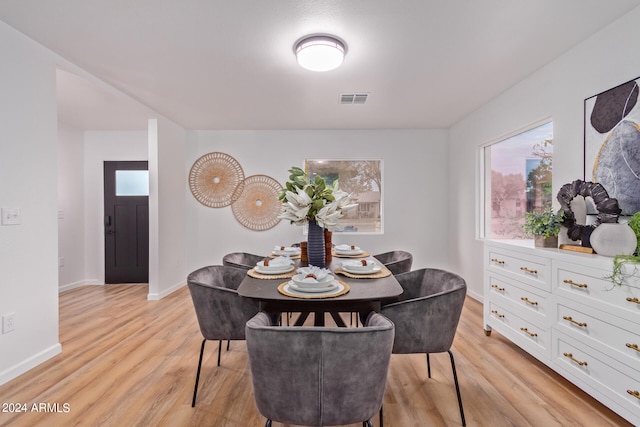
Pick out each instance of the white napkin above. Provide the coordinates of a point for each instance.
(280, 261)
(358, 264)
(286, 249)
(346, 248)
(320, 273)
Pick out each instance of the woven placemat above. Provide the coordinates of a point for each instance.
(315, 295)
(380, 274)
(272, 255)
(253, 273)
(362, 255)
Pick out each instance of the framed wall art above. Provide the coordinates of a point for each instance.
(612, 143)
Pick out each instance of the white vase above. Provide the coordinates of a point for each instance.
(611, 239)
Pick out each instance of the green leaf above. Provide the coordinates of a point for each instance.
(296, 171)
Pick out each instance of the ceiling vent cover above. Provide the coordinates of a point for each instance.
(353, 98)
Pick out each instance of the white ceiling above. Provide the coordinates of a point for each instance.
(229, 64)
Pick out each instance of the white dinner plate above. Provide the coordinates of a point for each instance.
(349, 252)
(281, 270)
(286, 253)
(376, 268)
(320, 289)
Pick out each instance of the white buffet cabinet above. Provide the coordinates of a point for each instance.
(558, 306)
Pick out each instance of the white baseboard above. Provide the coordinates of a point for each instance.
(74, 285)
(30, 363)
(155, 296)
(476, 296)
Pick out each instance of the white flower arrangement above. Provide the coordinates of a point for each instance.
(304, 201)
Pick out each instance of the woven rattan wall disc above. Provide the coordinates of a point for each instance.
(216, 180)
(258, 206)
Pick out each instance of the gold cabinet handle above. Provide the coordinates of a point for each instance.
(636, 300)
(570, 356)
(633, 347)
(528, 301)
(495, 313)
(497, 261)
(634, 393)
(570, 319)
(577, 285)
(526, 331)
(497, 288)
(526, 270)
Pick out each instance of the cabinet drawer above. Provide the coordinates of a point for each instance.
(530, 269)
(616, 337)
(529, 302)
(527, 335)
(590, 287)
(599, 375)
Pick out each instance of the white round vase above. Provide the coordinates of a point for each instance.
(611, 239)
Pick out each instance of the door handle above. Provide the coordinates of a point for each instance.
(107, 224)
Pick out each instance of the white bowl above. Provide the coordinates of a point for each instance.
(290, 251)
(301, 281)
(343, 250)
(275, 264)
(357, 265)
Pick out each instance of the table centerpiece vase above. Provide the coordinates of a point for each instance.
(315, 245)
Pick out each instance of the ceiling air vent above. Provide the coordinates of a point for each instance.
(353, 98)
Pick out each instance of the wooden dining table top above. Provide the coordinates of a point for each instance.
(361, 289)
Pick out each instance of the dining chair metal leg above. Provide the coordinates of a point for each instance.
(219, 350)
(228, 342)
(195, 388)
(455, 380)
(357, 316)
(428, 366)
(268, 423)
(381, 420)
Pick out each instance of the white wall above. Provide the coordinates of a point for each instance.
(167, 194)
(70, 206)
(415, 189)
(101, 146)
(28, 181)
(558, 90)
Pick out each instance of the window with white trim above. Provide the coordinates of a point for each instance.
(517, 179)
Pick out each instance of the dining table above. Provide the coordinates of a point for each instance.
(365, 293)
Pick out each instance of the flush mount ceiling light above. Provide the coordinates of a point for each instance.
(320, 52)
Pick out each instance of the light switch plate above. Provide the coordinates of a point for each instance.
(10, 216)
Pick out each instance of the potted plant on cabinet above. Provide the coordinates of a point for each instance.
(620, 273)
(544, 227)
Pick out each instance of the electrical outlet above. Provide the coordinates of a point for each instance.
(8, 323)
(61, 262)
(10, 216)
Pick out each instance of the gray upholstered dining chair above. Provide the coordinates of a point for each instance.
(426, 315)
(241, 260)
(396, 261)
(221, 312)
(319, 376)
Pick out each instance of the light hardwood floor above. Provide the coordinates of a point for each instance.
(127, 361)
